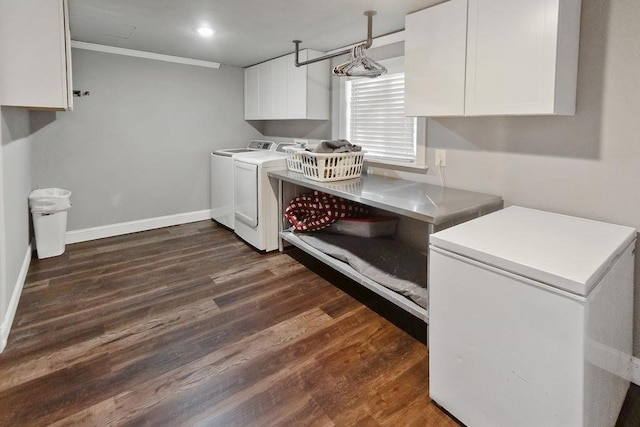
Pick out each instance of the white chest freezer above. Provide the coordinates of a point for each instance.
(531, 319)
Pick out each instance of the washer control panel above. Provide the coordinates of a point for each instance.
(257, 144)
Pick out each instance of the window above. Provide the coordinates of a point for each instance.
(373, 117)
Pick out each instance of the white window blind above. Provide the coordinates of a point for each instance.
(375, 118)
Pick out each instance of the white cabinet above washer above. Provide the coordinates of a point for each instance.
(277, 89)
(492, 57)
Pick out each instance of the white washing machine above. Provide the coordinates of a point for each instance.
(256, 197)
(222, 180)
(530, 319)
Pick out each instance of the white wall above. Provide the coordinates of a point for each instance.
(15, 186)
(138, 147)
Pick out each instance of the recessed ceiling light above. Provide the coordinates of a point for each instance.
(204, 31)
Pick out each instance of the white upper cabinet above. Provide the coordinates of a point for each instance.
(435, 58)
(251, 92)
(277, 89)
(35, 54)
(279, 86)
(521, 58)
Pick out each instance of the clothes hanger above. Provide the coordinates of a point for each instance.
(360, 65)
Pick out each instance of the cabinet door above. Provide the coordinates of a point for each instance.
(435, 47)
(511, 56)
(252, 93)
(266, 91)
(297, 96)
(35, 67)
(279, 87)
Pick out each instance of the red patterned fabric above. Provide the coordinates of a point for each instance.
(315, 211)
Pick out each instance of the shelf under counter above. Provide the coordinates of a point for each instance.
(344, 268)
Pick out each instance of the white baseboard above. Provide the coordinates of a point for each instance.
(635, 370)
(119, 229)
(5, 326)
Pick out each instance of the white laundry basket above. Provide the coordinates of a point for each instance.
(332, 166)
(294, 158)
(49, 208)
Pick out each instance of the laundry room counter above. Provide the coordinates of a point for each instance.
(425, 202)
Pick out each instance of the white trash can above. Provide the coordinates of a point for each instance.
(49, 208)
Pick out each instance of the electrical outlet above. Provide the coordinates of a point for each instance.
(441, 158)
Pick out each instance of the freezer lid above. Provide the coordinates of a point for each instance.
(565, 252)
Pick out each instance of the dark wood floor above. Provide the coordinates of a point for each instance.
(189, 326)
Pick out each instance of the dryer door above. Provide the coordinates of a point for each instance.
(245, 191)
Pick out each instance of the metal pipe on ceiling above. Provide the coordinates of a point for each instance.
(369, 14)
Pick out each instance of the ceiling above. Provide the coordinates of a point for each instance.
(246, 31)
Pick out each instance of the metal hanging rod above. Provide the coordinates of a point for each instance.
(369, 14)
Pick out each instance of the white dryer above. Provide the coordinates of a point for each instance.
(222, 179)
(255, 197)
